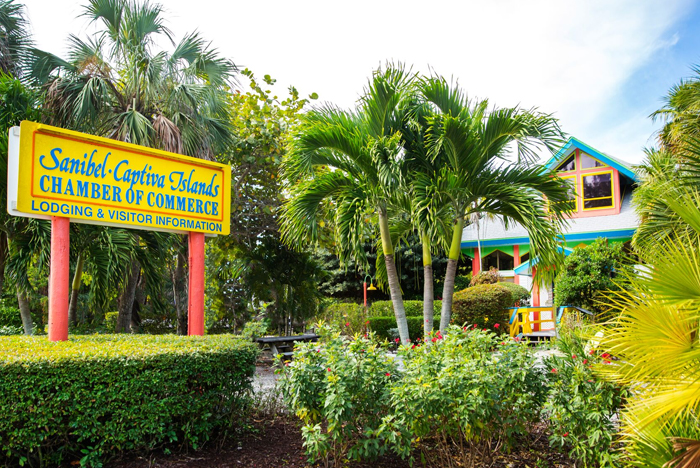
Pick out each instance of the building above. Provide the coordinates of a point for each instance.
(603, 186)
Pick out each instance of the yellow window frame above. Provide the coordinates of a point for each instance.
(582, 154)
(612, 189)
(575, 164)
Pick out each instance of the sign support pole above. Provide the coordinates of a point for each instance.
(195, 297)
(59, 278)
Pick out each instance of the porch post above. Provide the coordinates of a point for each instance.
(476, 261)
(516, 263)
(535, 300)
(59, 278)
(195, 296)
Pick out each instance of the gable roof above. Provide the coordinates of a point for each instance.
(573, 143)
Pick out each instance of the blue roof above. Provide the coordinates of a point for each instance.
(573, 143)
(525, 267)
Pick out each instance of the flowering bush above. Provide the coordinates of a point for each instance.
(581, 408)
(340, 391)
(458, 392)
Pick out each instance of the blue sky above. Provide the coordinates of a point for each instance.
(600, 66)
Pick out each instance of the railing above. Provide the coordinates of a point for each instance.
(528, 320)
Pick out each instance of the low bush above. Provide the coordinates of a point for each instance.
(9, 330)
(581, 408)
(347, 316)
(519, 295)
(10, 316)
(92, 396)
(340, 391)
(412, 308)
(459, 394)
(483, 305)
(485, 277)
(382, 326)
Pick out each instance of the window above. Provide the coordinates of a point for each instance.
(588, 162)
(571, 180)
(498, 260)
(524, 258)
(568, 165)
(597, 190)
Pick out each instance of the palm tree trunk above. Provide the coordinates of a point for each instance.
(428, 293)
(25, 312)
(126, 299)
(393, 279)
(75, 289)
(449, 286)
(4, 252)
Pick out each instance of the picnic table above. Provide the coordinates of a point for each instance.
(284, 345)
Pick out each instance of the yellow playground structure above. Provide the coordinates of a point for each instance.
(541, 323)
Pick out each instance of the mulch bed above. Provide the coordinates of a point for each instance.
(277, 443)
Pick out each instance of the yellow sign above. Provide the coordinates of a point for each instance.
(102, 181)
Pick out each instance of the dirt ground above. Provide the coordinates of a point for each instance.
(278, 444)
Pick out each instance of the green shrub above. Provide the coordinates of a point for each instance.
(111, 320)
(93, 396)
(9, 330)
(381, 326)
(340, 391)
(486, 277)
(518, 293)
(456, 390)
(346, 316)
(9, 316)
(412, 308)
(581, 407)
(483, 305)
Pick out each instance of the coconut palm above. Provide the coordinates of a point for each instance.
(117, 85)
(476, 178)
(355, 160)
(680, 113)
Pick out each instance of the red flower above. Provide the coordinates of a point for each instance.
(585, 361)
(329, 369)
(496, 325)
(573, 356)
(413, 347)
(566, 434)
(503, 343)
(605, 355)
(347, 324)
(555, 371)
(590, 381)
(474, 326)
(434, 340)
(591, 352)
(367, 322)
(397, 340)
(464, 328)
(388, 374)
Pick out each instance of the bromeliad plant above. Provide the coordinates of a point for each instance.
(468, 390)
(340, 391)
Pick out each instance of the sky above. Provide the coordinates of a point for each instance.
(601, 67)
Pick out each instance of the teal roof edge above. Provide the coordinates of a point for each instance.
(609, 160)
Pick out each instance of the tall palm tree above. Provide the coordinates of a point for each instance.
(476, 178)
(15, 39)
(116, 85)
(355, 159)
(680, 113)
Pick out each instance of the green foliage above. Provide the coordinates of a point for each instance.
(518, 293)
(111, 320)
(349, 317)
(483, 305)
(340, 391)
(457, 390)
(485, 277)
(413, 308)
(9, 316)
(9, 330)
(94, 396)
(255, 329)
(383, 326)
(581, 407)
(588, 273)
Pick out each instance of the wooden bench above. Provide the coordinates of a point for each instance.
(284, 345)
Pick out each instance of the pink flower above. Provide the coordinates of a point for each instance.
(329, 369)
(388, 374)
(496, 325)
(555, 371)
(397, 340)
(475, 326)
(585, 361)
(566, 434)
(503, 343)
(434, 340)
(347, 324)
(413, 347)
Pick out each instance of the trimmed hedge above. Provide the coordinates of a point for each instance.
(517, 292)
(97, 395)
(482, 305)
(381, 326)
(413, 308)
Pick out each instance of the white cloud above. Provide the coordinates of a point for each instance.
(571, 58)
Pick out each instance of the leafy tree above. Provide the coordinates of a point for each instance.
(116, 85)
(680, 114)
(589, 273)
(474, 143)
(352, 159)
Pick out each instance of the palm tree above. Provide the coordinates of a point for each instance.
(355, 159)
(475, 178)
(15, 39)
(116, 85)
(680, 114)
